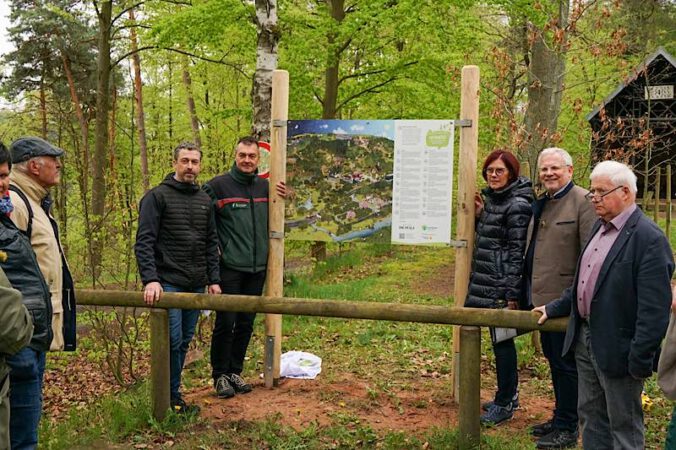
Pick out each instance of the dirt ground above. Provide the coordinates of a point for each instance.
(300, 403)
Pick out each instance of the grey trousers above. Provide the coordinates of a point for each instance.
(610, 412)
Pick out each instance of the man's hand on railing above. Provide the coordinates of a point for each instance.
(152, 293)
(543, 318)
(214, 289)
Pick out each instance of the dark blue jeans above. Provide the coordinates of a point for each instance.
(564, 379)
(671, 432)
(507, 371)
(233, 330)
(25, 397)
(182, 324)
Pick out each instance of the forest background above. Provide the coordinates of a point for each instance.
(119, 84)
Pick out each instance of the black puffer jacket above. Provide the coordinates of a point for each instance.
(499, 246)
(176, 241)
(23, 272)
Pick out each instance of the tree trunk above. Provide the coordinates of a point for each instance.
(43, 105)
(190, 100)
(545, 88)
(171, 101)
(266, 62)
(140, 115)
(102, 106)
(82, 120)
(333, 64)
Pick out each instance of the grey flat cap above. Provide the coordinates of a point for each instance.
(26, 148)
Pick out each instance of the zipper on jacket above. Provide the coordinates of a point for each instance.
(191, 217)
(253, 223)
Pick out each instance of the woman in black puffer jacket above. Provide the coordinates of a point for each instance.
(495, 281)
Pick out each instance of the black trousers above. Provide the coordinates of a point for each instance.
(564, 379)
(507, 371)
(232, 330)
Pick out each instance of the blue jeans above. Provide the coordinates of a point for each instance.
(182, 324)
(671, 432)
(25, 397)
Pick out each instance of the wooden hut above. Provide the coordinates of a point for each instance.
(636, 123)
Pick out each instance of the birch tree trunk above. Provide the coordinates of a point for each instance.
(190, 100)
(140, 115)
(266, 62)
(546, 73)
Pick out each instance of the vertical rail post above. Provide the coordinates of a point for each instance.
(470, 387)
(658, 180)
(275, 278)
(159, 362)
(669, 193)
(469, 144)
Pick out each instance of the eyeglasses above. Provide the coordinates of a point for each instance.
(597, 196)
(499, 171)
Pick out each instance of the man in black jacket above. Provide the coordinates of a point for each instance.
(177, 251)
(240, 200)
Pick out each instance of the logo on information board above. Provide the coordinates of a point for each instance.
(264, 163)
(438, 139)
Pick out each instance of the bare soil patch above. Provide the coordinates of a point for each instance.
(302, 403)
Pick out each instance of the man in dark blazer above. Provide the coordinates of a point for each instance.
(619, 311)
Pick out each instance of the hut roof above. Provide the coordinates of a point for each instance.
(660, 52)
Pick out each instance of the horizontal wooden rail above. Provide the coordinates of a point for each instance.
(397, 312)
(468, 318)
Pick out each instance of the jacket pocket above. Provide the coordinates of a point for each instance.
(41, 322)
(566, 222)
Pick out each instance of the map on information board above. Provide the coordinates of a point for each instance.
(344, 174)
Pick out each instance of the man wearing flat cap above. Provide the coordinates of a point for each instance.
(36, 168)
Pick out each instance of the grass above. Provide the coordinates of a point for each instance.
(396, 354)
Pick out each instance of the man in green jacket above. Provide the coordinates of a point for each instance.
(16, 329)
(240, 200)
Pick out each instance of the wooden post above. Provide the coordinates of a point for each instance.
(470, 387)
(469, 143)
(159, 362)
(275, 279)
(667, 227)
(658, 179)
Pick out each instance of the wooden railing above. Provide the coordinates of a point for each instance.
(470, 320)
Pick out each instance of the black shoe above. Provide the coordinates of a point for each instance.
(179, 406)
(223, 387)
(542, 429)
(515, 403)
(558, 439)
(238, 384)
(497, 414)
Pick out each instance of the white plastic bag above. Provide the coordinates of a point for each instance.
(303, 365)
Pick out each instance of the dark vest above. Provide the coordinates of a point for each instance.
(23, 272)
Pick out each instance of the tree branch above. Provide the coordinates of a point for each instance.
(371, 72)
(371, 89)
(182, 52)
(125, 11)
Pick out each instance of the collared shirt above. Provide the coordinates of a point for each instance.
(560, 192)
(594, 256)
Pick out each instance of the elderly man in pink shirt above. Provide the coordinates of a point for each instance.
(619, 311)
